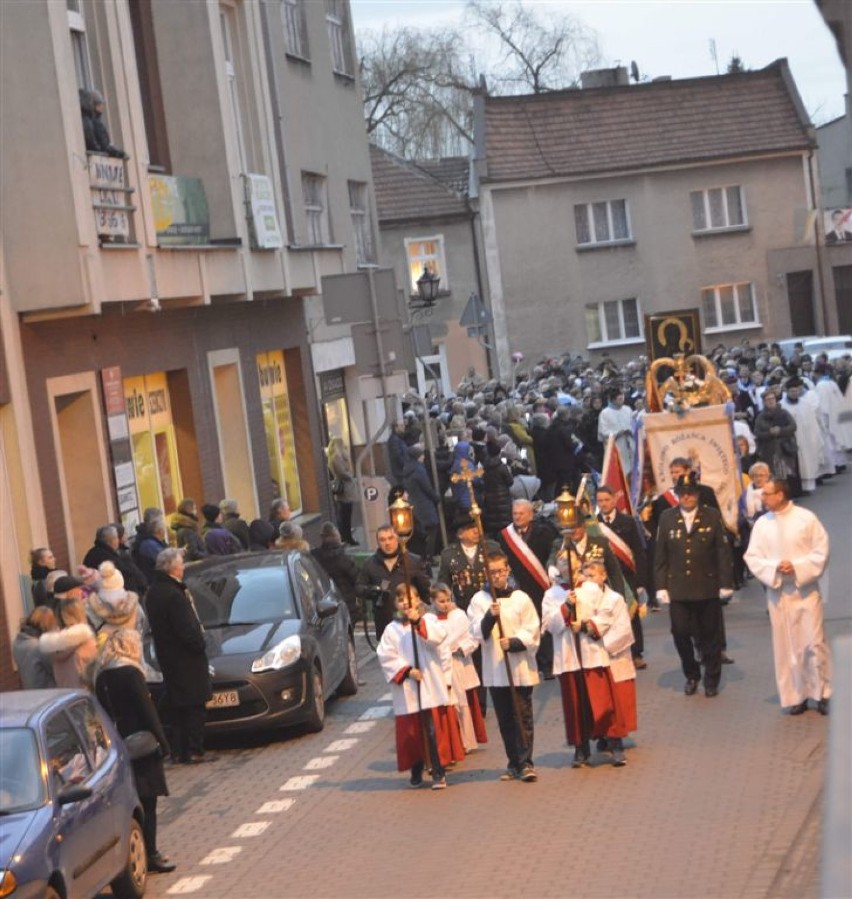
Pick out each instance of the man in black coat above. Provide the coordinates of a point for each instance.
(181, 653)
(630, 548)
(383, 572)
(527, 543)
(105, 549)
(693, 572)
(561, 447)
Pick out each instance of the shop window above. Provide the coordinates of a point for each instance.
(152, 435)
(278, 425)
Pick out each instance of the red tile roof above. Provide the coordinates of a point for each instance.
(597, 130)
(405, 192)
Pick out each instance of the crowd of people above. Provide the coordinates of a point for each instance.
(514, 599)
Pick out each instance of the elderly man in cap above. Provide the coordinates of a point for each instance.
(232, 521)
(693, 573)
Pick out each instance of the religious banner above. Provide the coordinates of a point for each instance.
(705, 436)
(668, 333)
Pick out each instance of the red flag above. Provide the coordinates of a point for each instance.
(612, 474)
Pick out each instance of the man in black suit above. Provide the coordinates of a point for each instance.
(632, 560)
(527, 543)
(693, 572)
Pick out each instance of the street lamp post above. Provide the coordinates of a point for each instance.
(427, 288)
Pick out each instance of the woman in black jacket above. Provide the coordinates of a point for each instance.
(497, 491)
(121, 689)
(331, 554)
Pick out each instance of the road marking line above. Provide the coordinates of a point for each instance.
(274, 806)
(376, 711)
(222, 855)
(360, 727)
(320, 762)
(385, 697)
(250, 829)
(340, 745)
(300, 783)
(189, 884)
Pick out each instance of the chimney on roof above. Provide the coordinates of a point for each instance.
(661, 78)
(615, 77)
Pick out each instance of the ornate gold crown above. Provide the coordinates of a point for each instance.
(594, 554)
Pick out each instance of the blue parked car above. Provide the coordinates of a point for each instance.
(70, 819)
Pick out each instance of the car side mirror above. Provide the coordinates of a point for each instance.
(74, 793)
(326, 607)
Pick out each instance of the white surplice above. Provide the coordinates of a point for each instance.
(802, 661)
(396, 652)
(810, 439)
(518, 618)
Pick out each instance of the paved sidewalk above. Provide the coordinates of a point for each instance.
(720, 798)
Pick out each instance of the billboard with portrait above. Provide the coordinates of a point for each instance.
(838, 226)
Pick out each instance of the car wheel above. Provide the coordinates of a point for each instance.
(130, 884)
(316, 716)
(349, 684)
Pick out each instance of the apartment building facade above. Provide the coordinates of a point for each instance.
(161, 319)
(603, 204)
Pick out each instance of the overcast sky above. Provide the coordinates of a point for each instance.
(672, 37)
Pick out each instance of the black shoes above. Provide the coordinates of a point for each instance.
(581, 756)
(726, 659)
(710, 692)
(160, 864)
(801, 708)
(822, 706)
(691, 687)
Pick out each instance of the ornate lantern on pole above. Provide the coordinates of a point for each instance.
(427, 287)
(567, 513)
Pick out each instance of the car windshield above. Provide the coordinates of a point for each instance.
(21, 782)
(243, 596)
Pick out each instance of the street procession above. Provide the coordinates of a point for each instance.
(425, 442)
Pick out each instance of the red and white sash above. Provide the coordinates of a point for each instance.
(619, 547)
(525, 556)
(671, 497)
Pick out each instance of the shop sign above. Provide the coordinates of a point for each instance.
(260, 210)
(332, 385)
(181, 216)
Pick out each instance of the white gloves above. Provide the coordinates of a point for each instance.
(663, 597)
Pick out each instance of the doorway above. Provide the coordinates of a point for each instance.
(800, 296)
(83, 470)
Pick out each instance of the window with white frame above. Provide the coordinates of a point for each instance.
(718, 208)
(426, 253)
(613, 321)
(602, 222)
(729, 306)
(295, 28)
(79, 47)
(337, 23)
(359, 210)
(314, 196)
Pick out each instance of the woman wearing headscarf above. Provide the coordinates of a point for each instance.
(121, 689)
(344, 487)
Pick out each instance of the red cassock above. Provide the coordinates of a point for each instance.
(410, 738)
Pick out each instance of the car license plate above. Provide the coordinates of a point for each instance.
(224, 699)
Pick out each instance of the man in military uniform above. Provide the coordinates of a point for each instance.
(693, 572)
(462, 564)
(569, 556)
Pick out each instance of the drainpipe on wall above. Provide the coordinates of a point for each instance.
(821, 310)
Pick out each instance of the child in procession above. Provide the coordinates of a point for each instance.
(463, 680)
(409, 654)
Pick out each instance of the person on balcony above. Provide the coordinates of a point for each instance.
(94, 129)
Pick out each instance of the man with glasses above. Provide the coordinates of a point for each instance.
(507, 625)
(788, 553)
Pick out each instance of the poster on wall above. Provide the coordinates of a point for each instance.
(838, 226)
(181, 216)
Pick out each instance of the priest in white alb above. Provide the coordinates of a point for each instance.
(788, 553)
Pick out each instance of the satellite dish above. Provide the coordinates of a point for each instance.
(634, 71)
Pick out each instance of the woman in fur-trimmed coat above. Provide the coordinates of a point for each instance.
(73, 648)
